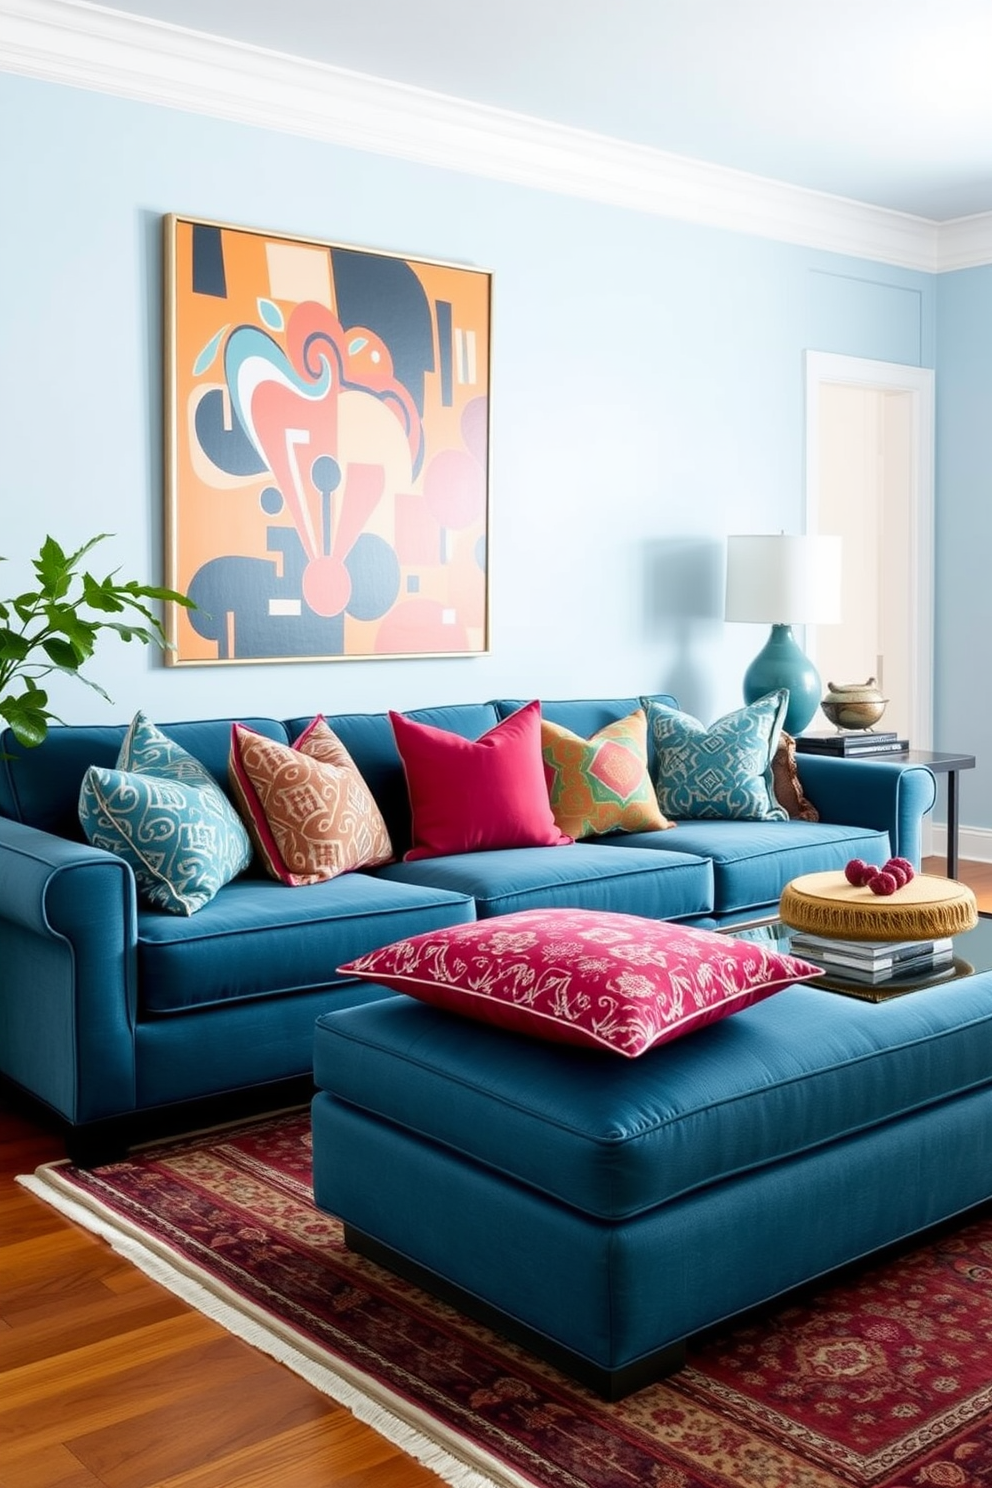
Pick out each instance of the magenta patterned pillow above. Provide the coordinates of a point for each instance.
(573, 976)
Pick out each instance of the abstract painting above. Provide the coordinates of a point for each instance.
(327, 449)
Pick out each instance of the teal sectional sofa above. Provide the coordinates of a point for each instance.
(109, 1008)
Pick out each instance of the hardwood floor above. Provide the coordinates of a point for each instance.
(978, 876)
(107, 1381)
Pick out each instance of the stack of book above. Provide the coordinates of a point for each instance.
(849, 745)
(873, 962)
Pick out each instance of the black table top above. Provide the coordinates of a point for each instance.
(937, 761)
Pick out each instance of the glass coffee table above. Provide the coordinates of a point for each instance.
(972, 953)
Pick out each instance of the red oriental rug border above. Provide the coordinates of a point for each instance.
(880, 1379)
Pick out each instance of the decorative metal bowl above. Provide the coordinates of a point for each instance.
(853, 705)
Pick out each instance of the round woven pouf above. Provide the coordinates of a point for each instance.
(926, 908)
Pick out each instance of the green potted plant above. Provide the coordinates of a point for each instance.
(54, 628)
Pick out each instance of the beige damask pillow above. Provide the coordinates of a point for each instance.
(308, 810)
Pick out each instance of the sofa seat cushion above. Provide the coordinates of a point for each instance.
(754, 860)
(616, 1138)
(259, 939)
(582, 875)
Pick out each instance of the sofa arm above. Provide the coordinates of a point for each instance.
(68, 938)
(882, 794)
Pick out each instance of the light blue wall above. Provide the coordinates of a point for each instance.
(648, 382)
(962, 673)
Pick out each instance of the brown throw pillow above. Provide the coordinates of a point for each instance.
(308, 811)
(788, 788)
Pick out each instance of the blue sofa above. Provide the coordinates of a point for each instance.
(109, 1008)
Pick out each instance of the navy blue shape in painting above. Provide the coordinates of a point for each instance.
(229, 449)
(385, 296)
(374, 570)
(243, 588)
(208, 261)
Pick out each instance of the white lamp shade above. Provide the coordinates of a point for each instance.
(783, 580)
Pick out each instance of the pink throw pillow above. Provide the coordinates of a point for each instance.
(608, 981)
(476, 795)
(307, 808)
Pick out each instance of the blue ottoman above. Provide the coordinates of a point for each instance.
(600, 1210)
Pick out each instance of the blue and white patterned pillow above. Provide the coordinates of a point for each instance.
(164, 813)
(723, 772)
(147, 751)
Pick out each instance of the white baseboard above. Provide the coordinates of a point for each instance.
(974, 843)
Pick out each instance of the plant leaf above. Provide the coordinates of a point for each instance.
(155, 591)
(58, 628)
(132, 632)
(52, 568)
(101, 595)
(69, 623)
(73, 559)
(28, 716)
(63, 654)
(26, 606)
(94, 686)
(13, 647)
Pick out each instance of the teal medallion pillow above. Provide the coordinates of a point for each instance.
(164, 813)
(723, 772)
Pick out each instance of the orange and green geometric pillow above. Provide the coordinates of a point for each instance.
(601, 785)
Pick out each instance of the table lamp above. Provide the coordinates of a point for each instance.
(783, 581)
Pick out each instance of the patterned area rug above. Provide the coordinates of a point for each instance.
(882, 1380)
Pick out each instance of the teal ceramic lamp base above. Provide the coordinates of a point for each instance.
(782, 663)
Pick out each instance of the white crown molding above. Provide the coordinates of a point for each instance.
(91, 46)
(965, 243)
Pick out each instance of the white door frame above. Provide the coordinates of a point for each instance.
(826, 367)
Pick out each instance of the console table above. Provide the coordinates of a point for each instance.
(940, 764)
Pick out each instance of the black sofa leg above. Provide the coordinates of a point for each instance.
(97, 1143)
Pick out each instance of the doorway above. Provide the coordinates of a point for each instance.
(869, 479)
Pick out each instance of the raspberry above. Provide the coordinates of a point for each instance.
(882, 883)
(904, 864)
(856, 872)
(898, 872)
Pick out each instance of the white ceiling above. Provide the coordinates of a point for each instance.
(887, 102)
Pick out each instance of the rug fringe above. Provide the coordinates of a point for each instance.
(346, 1384)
